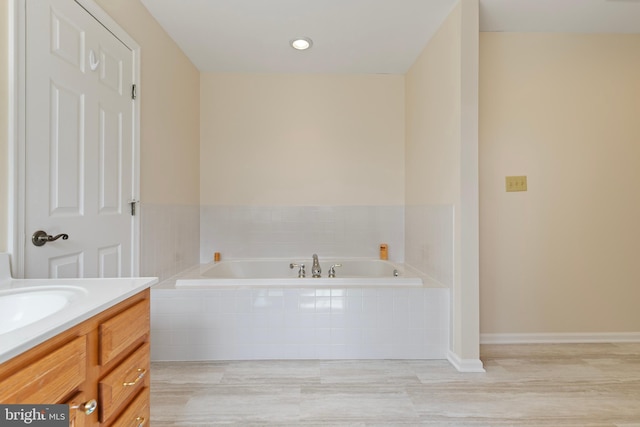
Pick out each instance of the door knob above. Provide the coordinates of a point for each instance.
(40, 237)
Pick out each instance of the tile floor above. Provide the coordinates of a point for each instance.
(525, 385)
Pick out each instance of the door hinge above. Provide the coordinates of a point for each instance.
(132, 205)
(134, 95)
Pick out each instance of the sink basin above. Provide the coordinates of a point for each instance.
(21, 307)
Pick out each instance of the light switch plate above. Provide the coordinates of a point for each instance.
(516, 183)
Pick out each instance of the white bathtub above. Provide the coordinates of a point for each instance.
(259, 309)
(278, 272)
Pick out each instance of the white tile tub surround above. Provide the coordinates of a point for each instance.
(292, 231)
(169, 242)
(429, 241)
(299, 323)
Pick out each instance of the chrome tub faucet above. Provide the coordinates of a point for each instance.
(316, 271)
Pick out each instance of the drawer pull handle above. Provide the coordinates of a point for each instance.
(141, 373)
(140, 421)
(88, 407)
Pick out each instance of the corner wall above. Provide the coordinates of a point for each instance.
(441, 222)
(433, 152)
(562, 258)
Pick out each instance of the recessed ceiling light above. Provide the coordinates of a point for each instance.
(301, 43)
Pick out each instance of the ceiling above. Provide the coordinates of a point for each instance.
(357, 36)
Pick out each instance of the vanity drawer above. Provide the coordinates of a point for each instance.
(123, 382)
(122, 330)
(137, 413)
(49, 379)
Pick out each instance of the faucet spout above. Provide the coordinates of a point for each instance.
(316, 271)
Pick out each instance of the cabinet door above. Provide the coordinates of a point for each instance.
(50, 379)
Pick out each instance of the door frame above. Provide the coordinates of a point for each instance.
(18, 237)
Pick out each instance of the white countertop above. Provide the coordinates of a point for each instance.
(92, 296)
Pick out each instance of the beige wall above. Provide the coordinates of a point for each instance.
(4, 104)
(302, 139)
(563, 110)
(433, 119)
(441, 169)
(170, 90)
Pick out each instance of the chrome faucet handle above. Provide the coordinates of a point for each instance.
(300, 267)
(332, 270)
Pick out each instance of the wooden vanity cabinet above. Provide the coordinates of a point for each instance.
(105, 358)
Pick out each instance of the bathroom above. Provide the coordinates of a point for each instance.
(295, 164)
(326, 177)
(522, 274)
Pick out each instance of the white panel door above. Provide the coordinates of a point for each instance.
(78, 144)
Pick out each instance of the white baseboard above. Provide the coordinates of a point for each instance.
(465, 365)
(560, 338)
